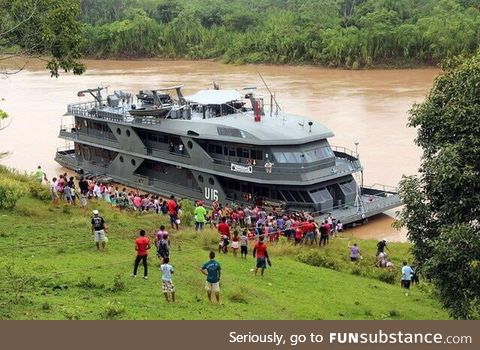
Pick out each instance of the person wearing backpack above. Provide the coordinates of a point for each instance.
(98, 230)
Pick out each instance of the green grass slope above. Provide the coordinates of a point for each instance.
(50, 269)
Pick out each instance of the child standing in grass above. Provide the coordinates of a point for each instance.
(235, 243)
(167, 284)
(244, 244)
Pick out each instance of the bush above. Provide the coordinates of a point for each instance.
(112, 310)
(10, 191)
(387, 277)
(87, 283)
(315, 258)
(209, 239)
(186, 214)
(118, 284)
(38, 191)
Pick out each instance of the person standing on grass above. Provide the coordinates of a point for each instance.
(235, 243)
(68, 194)
(83, 185)
(224, 231)
(142, 245)
(381, 246)
(162, 242)
(173, 212)
(98, 230)
(260, 252)
(406, 276)
(244, 244)
(354, 253)
(200, 213)
(324, 235)
(40, 175)
(212, 270)
(71, 184)
(53, 191)
(167, 284)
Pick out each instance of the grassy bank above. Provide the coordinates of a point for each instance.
(50, 269)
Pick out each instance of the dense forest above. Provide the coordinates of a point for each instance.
(339, 33)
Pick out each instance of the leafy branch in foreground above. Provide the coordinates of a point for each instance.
(442, 204)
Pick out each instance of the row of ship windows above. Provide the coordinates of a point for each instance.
(310, 156)
(235, 152)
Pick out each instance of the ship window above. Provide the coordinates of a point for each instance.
(243, 152)
(234, 185)
(317, 154)
(211, 148)
(225, 151)
(120, 159)
(190, 144)
(218, 149)
(289, 157)
(288, 196)
(297, 196)
(200, 178)
(128, 133)
(133, 162)
(280, 157)
(192, 133)
(232, 151)
(261, 191)
(255, 154)
(211, 182)
(321, 195)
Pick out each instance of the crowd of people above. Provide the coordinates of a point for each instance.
(238, 227)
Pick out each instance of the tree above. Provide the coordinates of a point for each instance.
(442, 204)
(34, 28)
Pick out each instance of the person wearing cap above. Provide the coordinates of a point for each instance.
(200, 214)
(98, 230)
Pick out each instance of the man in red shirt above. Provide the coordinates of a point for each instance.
(142, 245)
(224, 231)
(260, 251)
(173, 211)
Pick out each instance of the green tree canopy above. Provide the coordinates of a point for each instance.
(442, 204)
(42, 27)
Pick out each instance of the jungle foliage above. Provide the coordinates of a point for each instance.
(338, 33)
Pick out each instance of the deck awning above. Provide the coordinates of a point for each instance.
(214, 97)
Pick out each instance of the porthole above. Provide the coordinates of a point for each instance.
(200, 178)
(128, 133)
(133, 162)
(120, 159)
(190, 144)
(211, 182)
(119, 132)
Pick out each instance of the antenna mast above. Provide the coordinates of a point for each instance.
(272, 96)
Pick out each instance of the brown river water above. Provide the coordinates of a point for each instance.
(368, 107)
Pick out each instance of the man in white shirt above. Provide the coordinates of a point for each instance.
(406, 276)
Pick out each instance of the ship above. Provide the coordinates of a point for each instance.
(229, 146)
